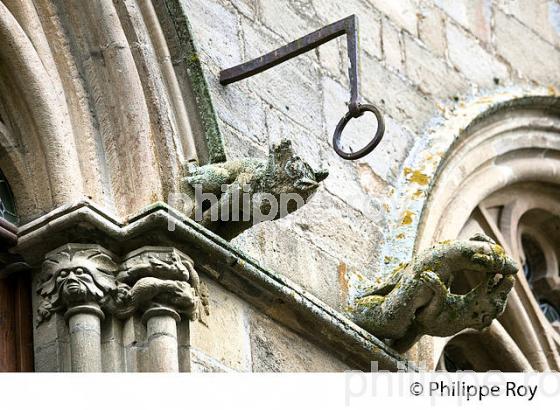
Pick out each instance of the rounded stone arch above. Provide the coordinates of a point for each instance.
(493, 166)
(37, 149)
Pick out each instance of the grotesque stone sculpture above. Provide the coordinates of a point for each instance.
(86, 275)
(249, 191)
(76, 275)
(415, 299)
(159, 277)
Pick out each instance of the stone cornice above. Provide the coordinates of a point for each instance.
(272, 293)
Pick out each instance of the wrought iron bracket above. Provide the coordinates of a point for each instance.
(348, 26)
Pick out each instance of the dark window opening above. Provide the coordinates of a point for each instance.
(7, 202)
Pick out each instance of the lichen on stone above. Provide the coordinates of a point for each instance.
(415, 299)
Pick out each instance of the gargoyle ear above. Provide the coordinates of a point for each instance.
(321, 175)
(283, 151)
(480, 237)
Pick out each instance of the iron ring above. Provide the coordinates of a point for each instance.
(358, 112)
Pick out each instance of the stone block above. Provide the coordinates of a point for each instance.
(223, 335)
(431, 29)
(277, 349)
(281, 17)
(543, 16)
(402, 12)
(432, 74)
(394, 95)
(216, 31)
(392, 46)
(240, 108)
(474, 15)
(310, 267)
(369, 21)
(527, 53)
(478, 65)
(334, 59)
(290, 87)
(338, 229)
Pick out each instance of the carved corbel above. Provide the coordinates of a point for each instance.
(159, 278)
(77, 278)
(79, 281)
(162, 284)
(232, 196)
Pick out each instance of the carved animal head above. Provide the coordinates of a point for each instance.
(290, 174)
(420, 300)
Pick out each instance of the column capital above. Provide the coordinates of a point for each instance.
(76, 275)
(159, 277)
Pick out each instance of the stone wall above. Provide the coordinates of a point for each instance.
(419, 61)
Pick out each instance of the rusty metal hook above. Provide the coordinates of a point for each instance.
(348, 26)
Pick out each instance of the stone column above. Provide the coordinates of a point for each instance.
(84, 326)
(76, 281)
(164, 286)
(161, 324)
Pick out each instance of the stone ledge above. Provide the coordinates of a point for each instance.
(273, 294)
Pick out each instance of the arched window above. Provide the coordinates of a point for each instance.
(7, 203)
(497, 174)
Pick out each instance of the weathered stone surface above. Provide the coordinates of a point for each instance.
(477, 64)
(529, 54)
(395, 95)
(224, 334)
(432, 75)
(340, 230)
(542, 16)
(402, 12)
(309, 266)
(393, 46)
(416, 299)
(291, 26)
(216, 29)
(275, 349)
(431, 29)
(474, 15)
(369, 21)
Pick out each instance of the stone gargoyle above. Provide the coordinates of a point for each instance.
(249, 191)
(415, 299)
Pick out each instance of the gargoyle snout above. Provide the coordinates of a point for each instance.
(321, 175)
(510, 266)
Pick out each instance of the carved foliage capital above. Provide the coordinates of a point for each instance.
(150, 277)
(76, 274)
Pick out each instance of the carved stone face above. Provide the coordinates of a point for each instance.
(75, 284)
(302, 174)
(294, 173)
(75, 274)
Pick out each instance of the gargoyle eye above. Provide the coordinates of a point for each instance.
(63, 273)
(79, 271)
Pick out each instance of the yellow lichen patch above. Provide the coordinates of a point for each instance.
(418, 194)
(552, 90)
(370, 300)
(498, 250)
(400, 236)
(416, 176)
(407, 217)
(388, 259)
(342, 269)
